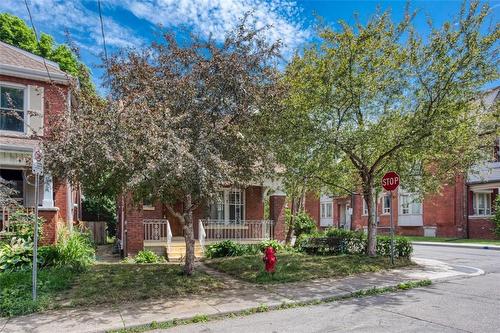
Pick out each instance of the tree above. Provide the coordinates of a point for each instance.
(16, 32)
(377, 97)
(179, 123)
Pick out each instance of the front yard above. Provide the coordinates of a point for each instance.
(294, 267)
(101, 284)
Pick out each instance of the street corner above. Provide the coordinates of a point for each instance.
(437, 270)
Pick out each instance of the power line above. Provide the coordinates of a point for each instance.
(36, 37)
(102, 32)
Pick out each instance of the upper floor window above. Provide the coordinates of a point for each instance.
(365, 207)
(481, 203)
(11, 109)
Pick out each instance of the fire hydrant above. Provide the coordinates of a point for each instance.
(270, 259)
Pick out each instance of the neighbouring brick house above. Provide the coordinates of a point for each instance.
(36, 89)
(237, 214)
(463, 209)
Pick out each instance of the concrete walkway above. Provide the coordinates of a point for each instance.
(240, 296)
(462, 245)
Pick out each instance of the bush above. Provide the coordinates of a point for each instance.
(147, 257)
(355, 242)
(226, 248)
(277, 246)
(75, 250)
(16, 255)
(22, 225)
(48, 256)
(304, 224)
(496, 218)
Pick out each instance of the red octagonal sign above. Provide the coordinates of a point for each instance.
(390, 181)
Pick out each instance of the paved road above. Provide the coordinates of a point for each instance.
(460, 305)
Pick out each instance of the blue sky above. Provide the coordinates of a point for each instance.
(134, 23)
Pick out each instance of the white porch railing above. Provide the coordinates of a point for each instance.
(156, 230)
(243, 230)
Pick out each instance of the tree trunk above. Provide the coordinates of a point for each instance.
(188, 235)
(370, 198)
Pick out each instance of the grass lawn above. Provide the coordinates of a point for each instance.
(454, 240)
(101, 284)
(299, 267)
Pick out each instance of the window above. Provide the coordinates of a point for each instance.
(148, 204)
(481, 202)
(228, 205)
(15, 181)
(365, 207)
(326, 210)
(409, 205)
(11, 109)
(386, 204)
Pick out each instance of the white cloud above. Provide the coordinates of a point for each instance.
(56, 16)
(216, 17)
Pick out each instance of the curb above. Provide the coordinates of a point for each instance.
(460, 245)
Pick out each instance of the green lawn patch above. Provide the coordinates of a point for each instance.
(294, 267)
(101, 284)
(454, 240)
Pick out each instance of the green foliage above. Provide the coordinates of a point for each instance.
(15, 290)
(22, 225)
(496, 218)
(355, 242)
(75, 250)
(304, 224)
(16, 255)
(147, 257)
(48, 256)
(277, 246)
(16, 32)
(101, 208)
(226, 248)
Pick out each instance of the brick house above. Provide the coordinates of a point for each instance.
(237, 214)
(36, 89)
(463, 209)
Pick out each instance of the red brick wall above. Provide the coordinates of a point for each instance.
(134, 228)
(277, 204)
(481, 228)
(254, 205)
(312, 206)
(51, 225)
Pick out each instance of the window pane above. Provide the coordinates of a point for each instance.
(329, 210)
(387, 203)
(11, 120)
(322, 210)
(12, 98)
(217, 207)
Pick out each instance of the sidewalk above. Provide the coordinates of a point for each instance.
(461, 245)
(241, 297)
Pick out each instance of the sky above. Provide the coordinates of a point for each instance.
(135, 23)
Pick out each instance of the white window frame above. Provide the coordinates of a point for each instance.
(475, 203)
(324, 210)
(386, 210)
(411, 202)
(227, 204)
(365, 208)
(25, 107)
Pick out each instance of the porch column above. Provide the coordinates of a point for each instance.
(134, 227)
(48, 191)
(277, 204)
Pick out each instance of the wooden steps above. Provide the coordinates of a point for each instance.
(178, 251)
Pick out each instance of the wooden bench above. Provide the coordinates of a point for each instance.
(324, 244)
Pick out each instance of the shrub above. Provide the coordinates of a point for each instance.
(226, 248)
(22, 225)
(496, 218)
(75, 250)
(147, 257)
(304, 224)
(48, 256)
(277, 246)
(402, 246)
(16, 255)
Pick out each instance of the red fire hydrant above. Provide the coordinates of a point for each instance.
(270, 259)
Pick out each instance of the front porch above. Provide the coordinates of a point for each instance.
(158, 235)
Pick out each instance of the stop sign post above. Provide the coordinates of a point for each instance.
(390, 182)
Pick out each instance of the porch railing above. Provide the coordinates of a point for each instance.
(241, 230)
(5, 224)
(157, 230)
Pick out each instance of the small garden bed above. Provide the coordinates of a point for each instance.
(107, 284)
(294, 267)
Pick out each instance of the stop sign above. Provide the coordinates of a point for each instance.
(390, 181)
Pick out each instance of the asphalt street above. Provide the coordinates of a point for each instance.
(469, 304)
